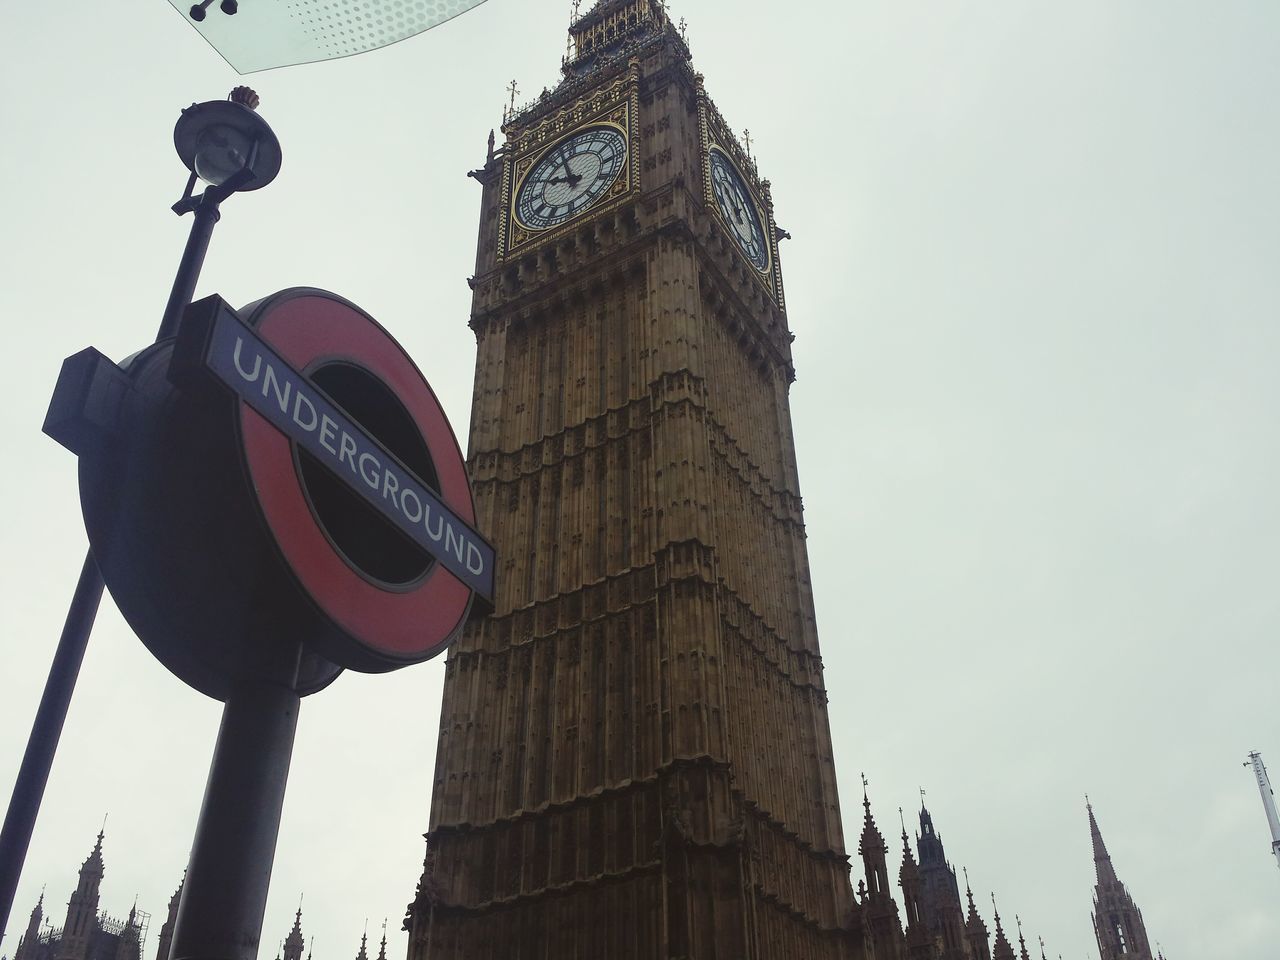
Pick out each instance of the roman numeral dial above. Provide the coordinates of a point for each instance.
(737, 209)
(570, 176)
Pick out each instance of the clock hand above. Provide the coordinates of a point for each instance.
(564, 164)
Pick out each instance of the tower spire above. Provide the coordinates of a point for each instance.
(919, 944)
(294, 943)
(1003, 949)
(95, 856)
(872, 847)
(975, 931)
(82, 909)
(28, 941)
(1106, 873)
(1117, 921)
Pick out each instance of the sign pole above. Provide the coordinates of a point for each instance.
(309, 609)
(225, 892)
(46, 729)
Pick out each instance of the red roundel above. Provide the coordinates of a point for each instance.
(395, 624)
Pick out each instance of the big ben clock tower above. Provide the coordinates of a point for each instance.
(635, 758)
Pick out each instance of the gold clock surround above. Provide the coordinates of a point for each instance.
(617, 107)
(714, 133)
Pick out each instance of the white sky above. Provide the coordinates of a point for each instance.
(1034, 284)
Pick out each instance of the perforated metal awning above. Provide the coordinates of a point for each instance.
(279, 33)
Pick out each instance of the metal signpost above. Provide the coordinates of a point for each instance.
(225, 143)
(272, 496)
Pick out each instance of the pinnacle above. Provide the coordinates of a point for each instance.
(1105, 872)
(94, 860)
(926, 818)
(872, 840)
(1022, 943)
(293, 943)
(907, 874)
(1003, 949)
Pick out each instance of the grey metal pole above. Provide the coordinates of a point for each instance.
(46, 729)
(206, 216)
(225, 893)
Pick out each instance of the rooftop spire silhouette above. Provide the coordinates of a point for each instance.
(1106, 873)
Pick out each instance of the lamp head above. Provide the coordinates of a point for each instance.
(219, 138)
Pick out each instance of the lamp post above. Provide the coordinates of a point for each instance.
(232, 149)
(228, 146)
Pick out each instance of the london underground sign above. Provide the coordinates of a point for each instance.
(275, 476)
(299, 410)
(272, 496)
(408, 613)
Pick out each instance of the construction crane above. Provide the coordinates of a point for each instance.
(1268, 800)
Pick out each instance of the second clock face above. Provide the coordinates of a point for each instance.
(738, 209)
(570, 177)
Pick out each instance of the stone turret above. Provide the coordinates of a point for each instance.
(27, 944)
(294, 942)
(1117, 921)
(82, 908)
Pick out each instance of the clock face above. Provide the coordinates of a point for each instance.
(570, 177)
(738, 209)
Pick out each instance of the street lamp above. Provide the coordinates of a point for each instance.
(232, 149)
(220, 138)
(226, 144)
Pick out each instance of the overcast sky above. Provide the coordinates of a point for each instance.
(1034, 285)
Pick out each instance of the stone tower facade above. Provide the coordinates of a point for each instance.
(634, 757)
(82, 909)
(1117, 921)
